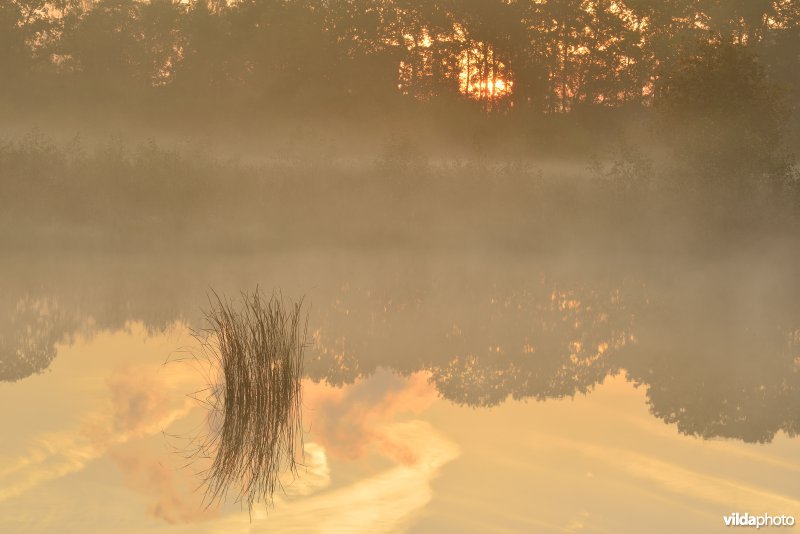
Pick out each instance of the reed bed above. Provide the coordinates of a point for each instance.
(255, 346)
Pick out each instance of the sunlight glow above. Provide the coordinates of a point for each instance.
(481, 75)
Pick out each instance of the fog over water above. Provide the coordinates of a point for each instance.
(549, 252)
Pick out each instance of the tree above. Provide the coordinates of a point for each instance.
(24, 27)
(723, 117)
(103, 49)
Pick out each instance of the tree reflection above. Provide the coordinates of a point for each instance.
(717, 356)
(722, 360)
(548, 343)
(29, 331)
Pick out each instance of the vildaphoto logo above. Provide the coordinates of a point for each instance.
(746, 520)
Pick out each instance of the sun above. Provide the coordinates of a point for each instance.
(482, 76)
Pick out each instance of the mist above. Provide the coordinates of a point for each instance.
(514, 200)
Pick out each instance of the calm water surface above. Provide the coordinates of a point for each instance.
(444, 392)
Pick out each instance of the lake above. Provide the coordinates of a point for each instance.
(466, 389)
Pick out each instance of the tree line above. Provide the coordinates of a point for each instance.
(547, 56)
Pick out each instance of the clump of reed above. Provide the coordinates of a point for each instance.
(255, 347)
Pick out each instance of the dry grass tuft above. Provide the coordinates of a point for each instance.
(255, 346)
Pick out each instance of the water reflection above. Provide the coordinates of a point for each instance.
(720, 358)
(29, 331)
(715, 345)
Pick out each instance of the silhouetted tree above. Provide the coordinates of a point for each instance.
(103, 50)
(550, 56)
(724, 117)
